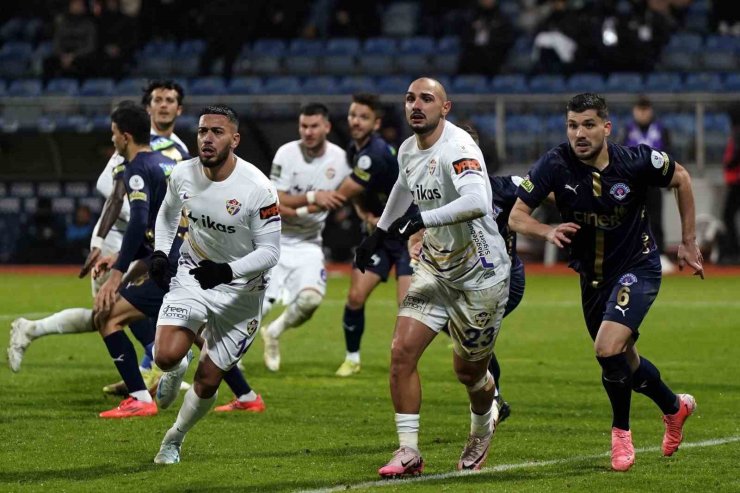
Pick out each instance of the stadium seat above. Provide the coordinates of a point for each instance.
(282, 85)
(15, 59)
(448, 45)
(586, 82)
(703, 82)
(358, 83)
(10, 205)
(63, 205)
(29, 88)
(49, 189)
(470, 84)
(159, 49)
(94, 203)
(338, 65)
(269, 47)
(76, 189)
(342, 46)
(191, 47)
(208, 86)
(265, 56)
(130, 87)
(245, 85)
(485, 124)
(62, 87)
(679, 60)
(22, 189)
(547, 84)
(624, 82)
(379, 46)
(519, 58)
(320, 85)
(418, 45)
(12, 29)
(186, 123)
(97, 87)
(377, 57)
(663, 82)
(3, 88)
(720, 54)
(689, 42)
(393, 84)
(400, 19)
(732, 82)
(509, 84)
(303, 56)
(312, 47)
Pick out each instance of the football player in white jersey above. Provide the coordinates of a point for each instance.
(233, 240)
(462, 277)
(163, 101)
(306, 173)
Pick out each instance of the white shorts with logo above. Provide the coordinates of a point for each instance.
(231, 316)
(111, 244)
(474, 316)
(300, 267)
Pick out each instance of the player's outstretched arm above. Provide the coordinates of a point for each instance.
(109, 215)
(688, 250)
(521, 221)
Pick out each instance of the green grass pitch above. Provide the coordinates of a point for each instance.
(322, 432)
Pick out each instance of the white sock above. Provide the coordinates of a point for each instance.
(250, 397)
(69, 321)
(277, 326)
(480, 424)
(192, 410)
(353, 357)
(407, 426)
(142, 395)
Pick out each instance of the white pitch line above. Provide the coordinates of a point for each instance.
(507, 467)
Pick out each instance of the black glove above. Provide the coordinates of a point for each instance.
(364, 252)
(159, 269)
(406, 225)
(210, 274)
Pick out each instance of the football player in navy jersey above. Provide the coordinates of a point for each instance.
(374, 172)
(600, 192)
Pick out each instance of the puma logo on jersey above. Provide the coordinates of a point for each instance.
(211, 224)
(623, 310)
(572, 189)
(422, 193)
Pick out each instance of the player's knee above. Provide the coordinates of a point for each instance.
(166, 359)
(604, 350)
(356, 299)
(403, 358)
(615, 368)
(474, 381)
(307, 302)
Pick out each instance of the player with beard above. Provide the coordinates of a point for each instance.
(233, 240)
(600, 190)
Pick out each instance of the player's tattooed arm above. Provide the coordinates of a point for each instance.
(111, 211)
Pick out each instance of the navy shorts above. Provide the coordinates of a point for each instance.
(626, 299)
(391, 252)
(516, 285)
(144, 295)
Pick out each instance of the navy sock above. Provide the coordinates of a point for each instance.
(646, 380)
(144, 330)
(124, 357)
(148, 359)
(617, 379)
(495, 370)
(234, 378)
(353, 324)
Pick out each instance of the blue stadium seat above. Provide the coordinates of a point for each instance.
(12, 29)
(159, 49)
(717, 122)
(663, 82)
(265, 57)
(245, 85)
(62, 87)
(485, 124)
(76, 189)
(22, 189)
(49, 189)
(338, 64)
(376, 64)
(379, 46)
(97, 87)
(624, 82)
(688, 42)
(732, 82)
(399, 19)
(683, 124)
(551, 84)
(357, 83)
(15, 58)
(703, 82)
(342, 46)
(394, 84)
(3, 190)
(320, 85)
(269, 47)
(101, 122)
(418, 45)
(586, 82)
(509, 84)
(3, 88)
(282, 85)
(191, 47)
(10, 205)
(63, 205)
(444, 63)
(21, 48)
(312, 47)
(208, 86)
(29, 88)
(186, 123)
(470, 84)
(449, 45)
(130, 86)
(679, 60)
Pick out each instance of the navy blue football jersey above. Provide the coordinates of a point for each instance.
(609, 205)
(504, 197)
(375, 167)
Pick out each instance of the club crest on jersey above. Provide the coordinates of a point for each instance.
(462, 165)
(628, 279)
(619, 191)
(433, 166)
(252, 327)
(482, 319)
(233, 206)
(330, 173)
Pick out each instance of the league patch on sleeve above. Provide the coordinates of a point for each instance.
(118, 170)
(666, 162)
(527, 184)
(361, 174)
(656, 159)
(270, 211)
(136, 182)
(364, 162)
(137, 195)
(462, 165)
(276, 171)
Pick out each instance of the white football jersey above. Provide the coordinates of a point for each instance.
(223, 217)
(294, 173)
(469, 255)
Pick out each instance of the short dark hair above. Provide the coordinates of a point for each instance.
(221, 109)
(643, 102)
(370, 100)
(146, 99)
(588, 101)
(310, 109)
(132, 119)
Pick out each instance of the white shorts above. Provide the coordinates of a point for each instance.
(300, 267)
(474, 316)
(231, 316)
(111, 244)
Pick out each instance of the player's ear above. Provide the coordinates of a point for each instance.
(376, 126)
(235, 140)
(607, 128)
(446, 107)
(179, 110)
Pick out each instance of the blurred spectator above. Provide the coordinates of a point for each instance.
(78, 234)
(729, 246)
(117, 38)
(226, 26)
(487, 144)
(486, 40)
(353, 18)
(646, 129)
(726, 17)
(75, 43)
(282, 19)
(43, 237)
(557, 39)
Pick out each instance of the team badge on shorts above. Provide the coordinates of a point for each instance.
(628, 279)
(233, 206)
(619, 191)
(482, 319)
(252, 327)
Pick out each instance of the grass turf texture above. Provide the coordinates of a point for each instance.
(320, 431)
